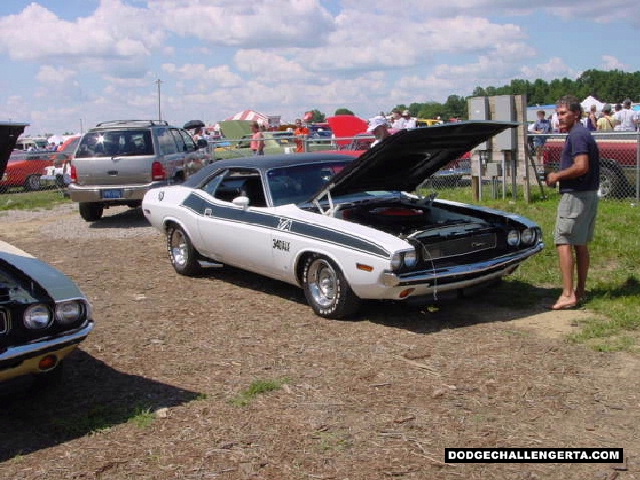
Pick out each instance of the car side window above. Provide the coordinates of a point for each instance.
(180, 145)
(189, 142)
(211, 185)
(166, 142)
(235, 183)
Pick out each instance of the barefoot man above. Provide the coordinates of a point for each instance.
(579, 180)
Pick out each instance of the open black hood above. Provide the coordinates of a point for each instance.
(405, 159)
(9, 133)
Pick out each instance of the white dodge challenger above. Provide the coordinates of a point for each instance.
(345, 228)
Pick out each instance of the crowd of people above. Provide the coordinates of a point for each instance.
(620, 118)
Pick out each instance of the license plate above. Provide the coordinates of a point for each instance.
(112, 193)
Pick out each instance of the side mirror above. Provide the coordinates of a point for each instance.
(202, 143)
(241, 201)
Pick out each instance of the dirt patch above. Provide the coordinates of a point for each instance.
(150, 393)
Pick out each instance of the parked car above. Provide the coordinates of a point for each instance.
(43, 314)
(59, 173)
(24, 170)
(345, 228)
(619, 153)
(117, 162)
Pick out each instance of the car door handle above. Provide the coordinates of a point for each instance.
(208, 212)
(112, 172)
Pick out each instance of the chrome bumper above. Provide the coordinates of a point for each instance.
(79, 193)
(461, 276)
(13, 356)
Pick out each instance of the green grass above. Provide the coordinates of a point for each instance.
(614, 277)
(258, 387)
(44, 199)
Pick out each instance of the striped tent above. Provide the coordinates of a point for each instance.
(251, 115)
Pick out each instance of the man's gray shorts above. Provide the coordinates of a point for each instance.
(576, 220)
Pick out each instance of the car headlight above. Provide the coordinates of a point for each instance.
(396, 260)
(410, 258)
(513, 238)
(407, 259)
(37, 317)
(69, 312)
(528, 236)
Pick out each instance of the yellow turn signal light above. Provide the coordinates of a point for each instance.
(362, 266)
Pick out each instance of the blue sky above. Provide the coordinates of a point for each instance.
(70, 64)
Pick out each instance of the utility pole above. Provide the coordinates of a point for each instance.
(158, 82)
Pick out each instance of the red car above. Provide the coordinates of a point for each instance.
(58, 172)
(24, 170)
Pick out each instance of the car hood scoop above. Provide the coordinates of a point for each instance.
(405, 159)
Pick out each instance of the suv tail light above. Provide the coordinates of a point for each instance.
(74, 174)
(158, 172)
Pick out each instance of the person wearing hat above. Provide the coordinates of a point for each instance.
(378, 126)
(607, 122)
(409, 122)
(626, 118)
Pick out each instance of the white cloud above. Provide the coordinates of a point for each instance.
(115, 30)
(609, 62)
(52, 74)
(554, 68)
(259, 23)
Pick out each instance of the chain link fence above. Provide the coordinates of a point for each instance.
(619, 168)
(619, 163)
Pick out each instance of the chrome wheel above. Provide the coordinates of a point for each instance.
(179, 248)
(327, 289)
(32, 183)
(182, 254)
(323, 283)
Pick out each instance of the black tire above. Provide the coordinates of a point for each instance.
(326, 288)
(60, 181)
(182, 254)
(610, 183)
(32, 183)
(91, 212)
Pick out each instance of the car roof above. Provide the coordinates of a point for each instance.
(267, 162)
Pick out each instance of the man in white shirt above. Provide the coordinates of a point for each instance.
(409, 122)
(397, 122)
(626, 118)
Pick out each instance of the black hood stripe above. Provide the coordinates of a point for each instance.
(198, 205)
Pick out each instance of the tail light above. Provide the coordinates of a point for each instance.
(74, 174)
(158, 172)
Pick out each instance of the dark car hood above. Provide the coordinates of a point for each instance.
(52, 280)
(407, 158)
(9, 133)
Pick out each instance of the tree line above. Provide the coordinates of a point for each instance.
(612, 86)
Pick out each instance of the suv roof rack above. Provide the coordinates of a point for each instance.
(136, 122)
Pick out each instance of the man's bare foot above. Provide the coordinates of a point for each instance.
(565, 302)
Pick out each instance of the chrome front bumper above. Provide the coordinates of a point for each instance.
(461, 276)
(12, 359)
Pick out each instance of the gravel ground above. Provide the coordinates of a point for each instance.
(157, 390)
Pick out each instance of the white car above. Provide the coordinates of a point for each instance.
(344, 228)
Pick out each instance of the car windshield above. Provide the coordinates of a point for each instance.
(122, 143)
(299, 183)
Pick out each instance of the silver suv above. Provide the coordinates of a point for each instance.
(117, 162)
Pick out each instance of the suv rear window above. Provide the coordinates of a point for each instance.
(112, 143)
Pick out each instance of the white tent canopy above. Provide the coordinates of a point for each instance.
(591, 100)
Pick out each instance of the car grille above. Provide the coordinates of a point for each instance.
(459, 246)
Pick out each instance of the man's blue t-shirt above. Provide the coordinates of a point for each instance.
(580, 141)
